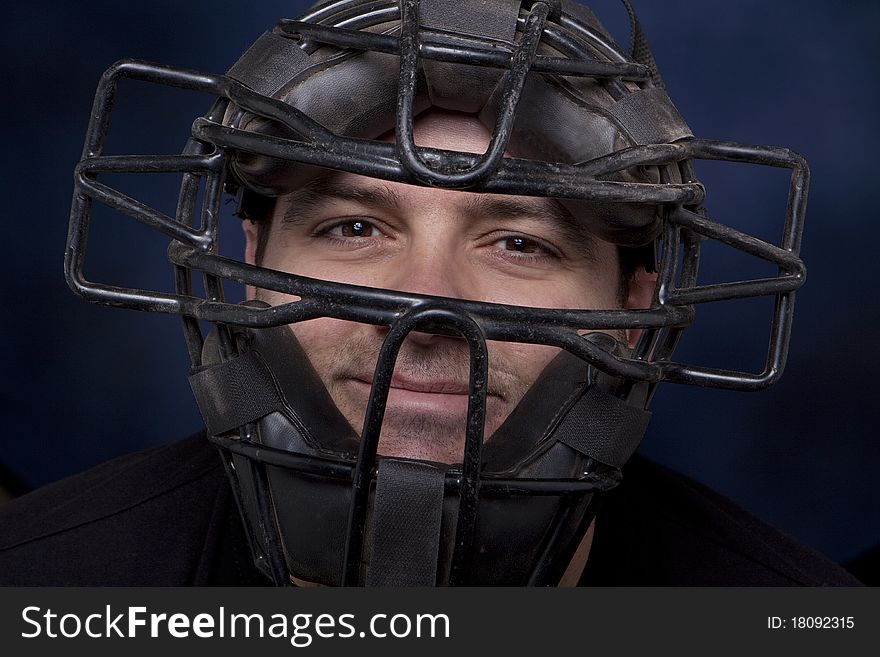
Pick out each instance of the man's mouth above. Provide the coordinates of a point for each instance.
(403, 382)
(419, 395)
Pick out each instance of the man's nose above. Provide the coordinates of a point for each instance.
(434, 269)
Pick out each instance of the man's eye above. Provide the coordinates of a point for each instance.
(521, 244)
(353, 228)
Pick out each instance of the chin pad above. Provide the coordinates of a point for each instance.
(568, 426)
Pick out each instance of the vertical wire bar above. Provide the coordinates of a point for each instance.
(186, 201)
(689, 243)
(548, 559)
(274, 550)
(666, 278)
(81, 205)
(367, 450)
(515, 78)
(369, 442)
(552, 563)
(473, 446)
(227, 457)
(192, 333)
(780, 327)
(797, 206)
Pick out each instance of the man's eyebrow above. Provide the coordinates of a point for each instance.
(318, 192)
(552, 212)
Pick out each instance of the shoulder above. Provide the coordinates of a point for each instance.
(138, 519)
(662, 528)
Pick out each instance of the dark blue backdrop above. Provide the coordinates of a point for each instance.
(82, 384)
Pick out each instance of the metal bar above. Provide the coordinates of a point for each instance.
(343, 470)
(309, 465)
(526, 177)
(367, 451)
(780, 330)
(569, 44)
(735, 290)
(374, 415)
(547, 563)
(385, 306)
(182, 276)
(268, 528)
(191, 80)
(741, 241)
(716, 378)
(490, 56)
(593, 37)
(354, 14)
(796, 210)
(150, 164)
(256, 549)
(469, 493)
(141, 212)
(689, 244)
(513, 84)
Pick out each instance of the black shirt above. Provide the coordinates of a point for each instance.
(166, 517)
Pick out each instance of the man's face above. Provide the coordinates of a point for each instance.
(506, 249)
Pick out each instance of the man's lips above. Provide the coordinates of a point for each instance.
(403, 382)
(419, 398)
(413, 385)
(408, 391)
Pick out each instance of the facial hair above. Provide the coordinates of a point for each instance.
(438, 436)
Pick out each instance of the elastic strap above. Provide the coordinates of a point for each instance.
(603, 427)
(235, 392)
(269, 64)
(491, 19)
(649, 117)
(407, 518)
(639, 49)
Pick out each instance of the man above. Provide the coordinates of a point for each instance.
(446, 358)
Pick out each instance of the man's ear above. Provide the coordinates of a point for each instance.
(640, 295)
(251, 237)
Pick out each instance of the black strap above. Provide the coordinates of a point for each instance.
(466, 88)
(649, 117)
(491, 19)
(269, 64)
(235, 392)
(603, 427)
(406, 524)
(639, 49)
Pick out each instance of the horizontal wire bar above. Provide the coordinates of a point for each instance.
(344, 470)
(461, 54)
(143, 213)
(151, 164)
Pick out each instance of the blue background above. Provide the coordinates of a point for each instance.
(84, 383)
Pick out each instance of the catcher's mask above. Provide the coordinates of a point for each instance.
(591, 126)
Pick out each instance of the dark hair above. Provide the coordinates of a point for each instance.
(257, 209)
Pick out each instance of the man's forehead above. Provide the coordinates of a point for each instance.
(344, 186)
(453, 131)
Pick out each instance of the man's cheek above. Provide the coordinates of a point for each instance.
(527, 360)
(320, 334)
(320, 341)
